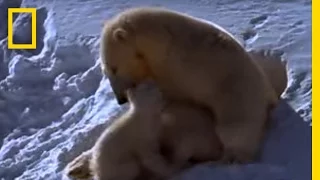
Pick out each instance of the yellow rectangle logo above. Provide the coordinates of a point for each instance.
(33, 12)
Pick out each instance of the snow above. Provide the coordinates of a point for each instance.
(54, 102)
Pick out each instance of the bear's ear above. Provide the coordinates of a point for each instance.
(120, 35)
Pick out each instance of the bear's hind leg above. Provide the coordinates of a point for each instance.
(240, 127)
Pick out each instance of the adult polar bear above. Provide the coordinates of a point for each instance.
(192, 61)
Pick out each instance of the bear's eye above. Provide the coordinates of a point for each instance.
(139, 55)
(113, 70)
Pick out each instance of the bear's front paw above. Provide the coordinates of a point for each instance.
(236, 156)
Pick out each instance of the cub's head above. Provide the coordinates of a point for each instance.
(146, 96)
(121, 61)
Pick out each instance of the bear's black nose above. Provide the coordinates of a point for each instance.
(121, 100)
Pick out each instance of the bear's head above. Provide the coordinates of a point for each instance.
(124, 65)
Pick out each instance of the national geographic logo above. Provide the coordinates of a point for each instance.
(33, 12)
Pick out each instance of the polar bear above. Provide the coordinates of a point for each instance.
(191, 61)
